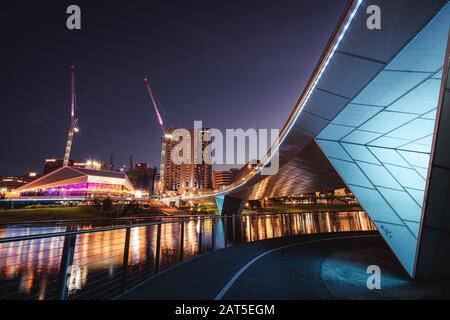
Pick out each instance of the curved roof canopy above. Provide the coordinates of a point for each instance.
(70, 176)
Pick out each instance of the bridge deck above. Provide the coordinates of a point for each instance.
(325, 266)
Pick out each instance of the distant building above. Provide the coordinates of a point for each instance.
(90, 164)
(224, 178)
(143, 177)
(184, 177)
(8, 183)
(53, 164)
(81, 184)
(158, 184)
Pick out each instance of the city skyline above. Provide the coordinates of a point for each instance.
(189, 70)
(337, 136)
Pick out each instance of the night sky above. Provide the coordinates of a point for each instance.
(231, 64)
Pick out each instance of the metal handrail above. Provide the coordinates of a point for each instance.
(126, 276)
(135, 225)
(100, 229)
(93, 220)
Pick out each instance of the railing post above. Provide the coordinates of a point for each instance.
(213, 235)
(225, 233)
(158, 249)
(126, 253)
(250, 225)
(242, 229)
(233, 222)
(181, 241)
(265, 227)
(149, 241)
(66, 261)
(200, 238)
(290, 224)
(257, 227)
(273, 226)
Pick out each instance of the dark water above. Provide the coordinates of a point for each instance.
(102, 267)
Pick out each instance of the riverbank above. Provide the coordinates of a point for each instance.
(52, 213)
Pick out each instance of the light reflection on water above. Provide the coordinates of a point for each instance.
(31, 268)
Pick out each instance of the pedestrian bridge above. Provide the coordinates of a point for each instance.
(374, 117)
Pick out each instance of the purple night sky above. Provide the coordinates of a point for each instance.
(231, 64)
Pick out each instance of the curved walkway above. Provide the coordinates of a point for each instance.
(326, 266)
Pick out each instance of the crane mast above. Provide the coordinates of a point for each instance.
(163, 128)
(155, 105)
(73, 117)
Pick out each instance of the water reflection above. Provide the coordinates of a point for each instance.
(102, 267)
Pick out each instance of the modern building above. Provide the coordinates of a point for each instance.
(8, 183)
(55, 163)
(143, 178)
(77, 183)
(185, 177)
(223, 177)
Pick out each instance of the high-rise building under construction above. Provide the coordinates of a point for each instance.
(189, 176)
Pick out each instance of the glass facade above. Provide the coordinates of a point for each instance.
(380, 143)
(84, 190)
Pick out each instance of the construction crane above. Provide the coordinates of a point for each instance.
(155, 105)
(73, 117)
(166, 131)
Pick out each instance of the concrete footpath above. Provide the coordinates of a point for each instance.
(327, 266)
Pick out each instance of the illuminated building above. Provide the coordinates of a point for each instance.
(77, 183)
(143, 177)
(184, 177)
(8, 183)
(224, 177)
(90, 164)
(53, 164)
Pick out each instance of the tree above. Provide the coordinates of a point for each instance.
(96, 203)
(107, 204)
